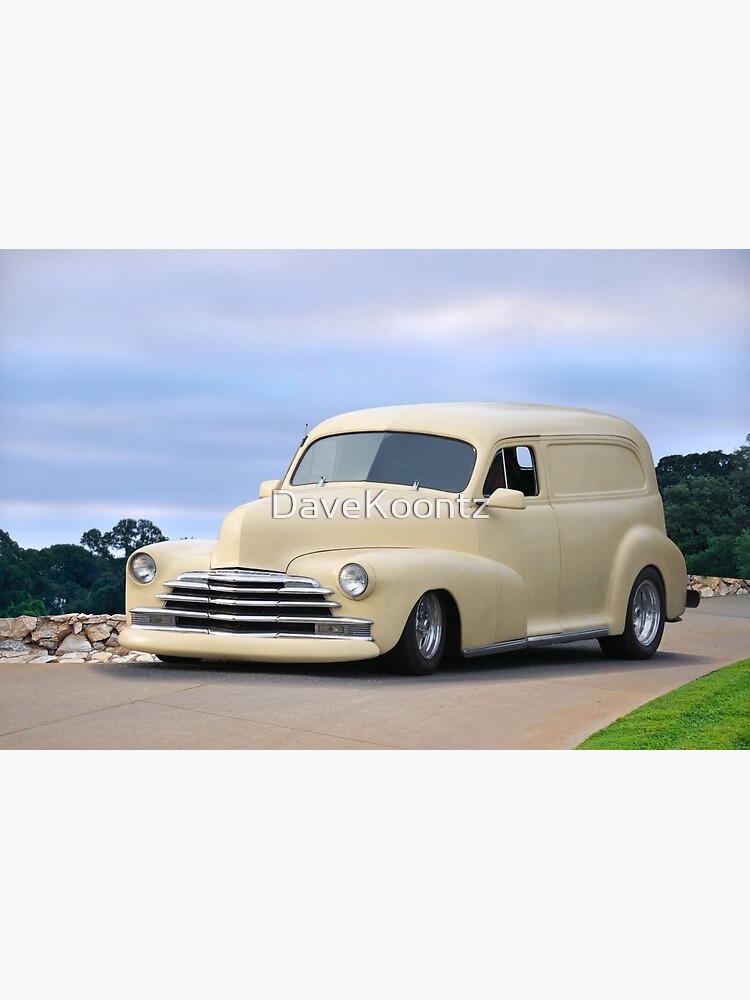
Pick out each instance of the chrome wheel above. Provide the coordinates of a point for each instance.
(420, 648)
(646, 612)
(429, 625)
(644, 620)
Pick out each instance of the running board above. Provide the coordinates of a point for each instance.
(536, 640)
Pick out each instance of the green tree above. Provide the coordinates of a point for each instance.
(742, 555)
(673, 469)
(89, 577)
(94, 541)
(742, 472)
(26, 606)
(707, 508)
(126, 536)
(12, 572)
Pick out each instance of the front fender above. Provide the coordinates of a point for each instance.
(490, 598)
(171, 558)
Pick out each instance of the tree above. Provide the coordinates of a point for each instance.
(673, 469)
(93, 540)
(65, 575)
(707, 509)
(742, 475)
(89, 577)
(126, 536)
(742, 554)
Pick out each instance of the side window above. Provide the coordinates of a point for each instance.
(513, 468)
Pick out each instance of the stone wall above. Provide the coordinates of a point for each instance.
(66, 637)
(718, 586)
(94, 637)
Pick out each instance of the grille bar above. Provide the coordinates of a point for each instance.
(232, 602)
(238, 589)
(247, 602)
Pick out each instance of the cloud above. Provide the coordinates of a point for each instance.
(507, 313)
(167, 385)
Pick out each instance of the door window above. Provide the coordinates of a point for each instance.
(513, 468)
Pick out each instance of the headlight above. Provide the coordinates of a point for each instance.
(142, 568)
(353, 580)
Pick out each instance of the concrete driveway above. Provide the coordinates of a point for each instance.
(551, 698)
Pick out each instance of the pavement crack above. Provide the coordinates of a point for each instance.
(274, 725)
(93, 711)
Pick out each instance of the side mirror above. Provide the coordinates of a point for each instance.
(267, 487)
(507, 500)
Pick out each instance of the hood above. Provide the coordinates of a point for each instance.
(270, 533)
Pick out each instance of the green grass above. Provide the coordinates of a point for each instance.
(710, 713)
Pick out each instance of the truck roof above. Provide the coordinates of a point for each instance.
(483, 423)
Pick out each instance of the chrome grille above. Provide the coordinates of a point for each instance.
(249, 602)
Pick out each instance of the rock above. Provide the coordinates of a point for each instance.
(707, 592)
(12, 646)
(97, 632)
(46, 658)
(132, 657)
(722, 590)
(95, 620)
(50, 630)
(17, 628)
(74, 644)
(112, 641)
(70, 657)
(77, 628)
(103, 657)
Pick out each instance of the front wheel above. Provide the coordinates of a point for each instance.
(422, 643)
(176, 659)
(644, 622)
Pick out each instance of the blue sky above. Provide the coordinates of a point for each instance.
(167, 384)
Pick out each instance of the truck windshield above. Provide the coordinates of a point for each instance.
(437, 463)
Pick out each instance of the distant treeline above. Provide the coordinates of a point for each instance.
(706, 507)
(89, 577)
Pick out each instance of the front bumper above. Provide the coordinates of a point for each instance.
(263, 649)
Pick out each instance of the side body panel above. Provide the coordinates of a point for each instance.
(527, 543)
(611, 523)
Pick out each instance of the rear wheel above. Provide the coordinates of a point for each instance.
(422, 643)
(644, 621)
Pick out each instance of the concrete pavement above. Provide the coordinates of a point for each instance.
(550, 698)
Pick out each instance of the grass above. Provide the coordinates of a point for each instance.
(710, 713)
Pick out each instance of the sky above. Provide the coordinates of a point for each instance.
(167, 384)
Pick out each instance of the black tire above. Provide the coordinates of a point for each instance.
(420, 649)
(644, 621)
(176, 659)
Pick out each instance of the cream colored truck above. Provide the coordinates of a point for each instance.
(411, 531)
